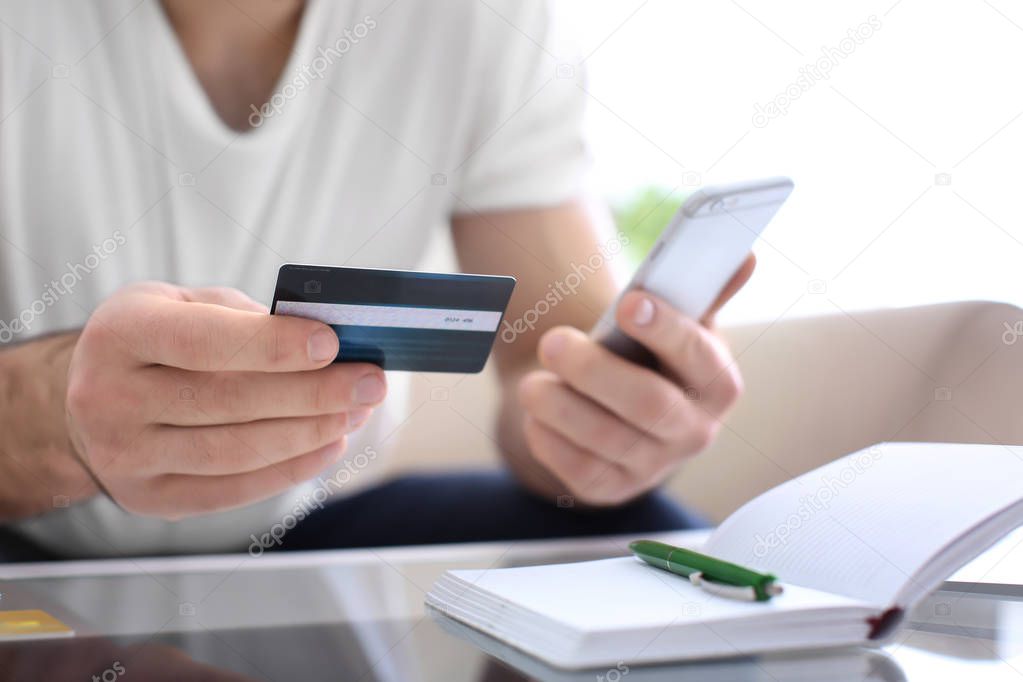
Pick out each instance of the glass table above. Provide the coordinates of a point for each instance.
(359, 615)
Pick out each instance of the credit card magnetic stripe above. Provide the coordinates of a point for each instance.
(368, 286)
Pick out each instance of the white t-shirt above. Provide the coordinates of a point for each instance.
(389, 118)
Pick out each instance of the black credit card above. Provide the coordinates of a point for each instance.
(399, 319)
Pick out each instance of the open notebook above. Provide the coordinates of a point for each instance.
(856, 543)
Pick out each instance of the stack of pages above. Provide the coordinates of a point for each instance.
(855, 543)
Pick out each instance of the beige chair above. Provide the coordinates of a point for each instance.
(816, 388)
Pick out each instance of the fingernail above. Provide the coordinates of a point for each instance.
(333, 452)
(644, 314)
(322, 345)
(369, 390)
(357, 418)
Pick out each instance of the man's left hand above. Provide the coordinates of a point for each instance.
(611, 430)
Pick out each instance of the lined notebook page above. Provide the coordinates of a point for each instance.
(865, 524)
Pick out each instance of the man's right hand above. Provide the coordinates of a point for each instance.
(186, 401)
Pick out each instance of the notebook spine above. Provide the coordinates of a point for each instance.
(883, 625)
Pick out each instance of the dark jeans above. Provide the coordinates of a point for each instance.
(445, 507)
(469, 507)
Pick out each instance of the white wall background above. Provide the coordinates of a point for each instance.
(937, 88)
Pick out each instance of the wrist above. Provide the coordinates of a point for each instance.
(515, 451)
(69, 469)
(39, 466)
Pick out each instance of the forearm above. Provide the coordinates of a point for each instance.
(38, 467)
(571, 283)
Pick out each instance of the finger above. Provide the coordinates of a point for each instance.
(737, 282)
(556, 406)
(690, 351)
(225, 296)
(588, 478)
(208, 337)
(551, 402)
(196, 398)
(238, 448)
(185, 495)
(645, 399)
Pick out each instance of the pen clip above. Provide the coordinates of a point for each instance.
(722, 589)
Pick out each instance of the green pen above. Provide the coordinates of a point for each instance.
(713, 575)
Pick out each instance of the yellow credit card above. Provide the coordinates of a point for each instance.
(31, 624)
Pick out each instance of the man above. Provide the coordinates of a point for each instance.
(161, 159)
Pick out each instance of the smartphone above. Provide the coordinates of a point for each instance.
(697, 254)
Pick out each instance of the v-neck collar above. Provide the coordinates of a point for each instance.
(186, 83)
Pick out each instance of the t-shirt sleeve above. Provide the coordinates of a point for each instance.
(526, 148)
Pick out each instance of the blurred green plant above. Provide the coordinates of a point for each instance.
(642, 216)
